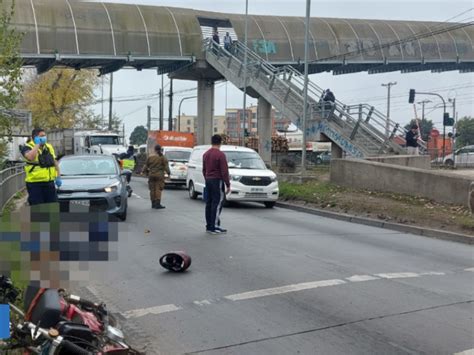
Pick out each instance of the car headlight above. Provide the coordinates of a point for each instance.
(273, 178)
(112, 188)
(236, 177)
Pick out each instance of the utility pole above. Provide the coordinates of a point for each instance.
(306, 68)
(170, 118)
(102, 100)
(111, 100)
(455, 129)
(160, 99)
(389, 88)
(148, 121)
(423, 108)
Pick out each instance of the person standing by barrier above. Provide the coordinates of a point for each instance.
(216, 174)
(412, 140)
(156, 166)
(42, 169)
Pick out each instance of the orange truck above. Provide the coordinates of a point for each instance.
(169, 139)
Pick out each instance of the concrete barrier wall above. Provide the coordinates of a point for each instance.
(412, 161)
(434, 185)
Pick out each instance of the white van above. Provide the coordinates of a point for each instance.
(250, 180)
(178, 158)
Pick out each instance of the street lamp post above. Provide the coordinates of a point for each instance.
(444, 112)
(179, 110)
(245, 71)
(306, 69)
(389, 88)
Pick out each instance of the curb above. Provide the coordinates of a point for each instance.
(425, 232)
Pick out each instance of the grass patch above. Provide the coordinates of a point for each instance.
(385, 206)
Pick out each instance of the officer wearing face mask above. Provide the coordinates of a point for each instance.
(42, 170)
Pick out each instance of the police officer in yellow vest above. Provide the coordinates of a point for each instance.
(42, 170)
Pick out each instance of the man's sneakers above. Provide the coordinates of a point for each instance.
(216, 230)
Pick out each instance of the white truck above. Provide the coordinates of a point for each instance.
(79, 142)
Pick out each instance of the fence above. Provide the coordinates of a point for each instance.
(12, 180)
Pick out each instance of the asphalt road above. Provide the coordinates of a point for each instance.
(284, 282)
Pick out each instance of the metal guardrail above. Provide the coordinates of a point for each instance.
(12, 180)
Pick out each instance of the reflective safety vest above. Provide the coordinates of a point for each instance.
(129, 164)
(34, 172)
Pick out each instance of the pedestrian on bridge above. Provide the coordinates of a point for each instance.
(228, 42)
(41, 168)
(156, 166)
(216, 174)
(215, 36)
(411, 139)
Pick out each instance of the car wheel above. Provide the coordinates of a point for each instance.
(449, 163)
(269, 204)
(192, 192)
(123, 216)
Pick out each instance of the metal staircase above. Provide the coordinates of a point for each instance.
(359, 130)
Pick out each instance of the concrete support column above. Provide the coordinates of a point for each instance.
(264, 128)
(336, 151)
(205, 115)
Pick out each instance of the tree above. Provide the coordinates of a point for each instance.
(465, 129)
(425, 127)
(60, 98)
(10, 71)
(139, 136)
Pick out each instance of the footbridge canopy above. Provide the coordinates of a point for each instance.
(111, 36)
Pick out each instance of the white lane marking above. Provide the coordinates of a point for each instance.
(359, 278)
(398, 275)
(151, 310)
(466, 352)
(284, 289)
(202, 303)
(137, 196)
(471, 269)
(432, 273)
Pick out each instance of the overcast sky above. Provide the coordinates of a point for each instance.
(349, 88)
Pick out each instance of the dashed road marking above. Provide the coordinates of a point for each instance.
(466, 352)
(471, 269)
(286, 289)
(283, 289)
(137, 196)
(202, 303)
(360, 278)
(151, 310)
(398, 275)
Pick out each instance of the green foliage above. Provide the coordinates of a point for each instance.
(465, 128)
(139, 136)
(60, 98)
(10, 70)
(425, 127)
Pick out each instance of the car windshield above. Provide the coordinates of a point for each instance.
(87, 166)
(104, 140)
(177, 155)
(244, 160)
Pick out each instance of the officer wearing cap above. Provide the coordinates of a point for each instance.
(156, 166)
(42, 170)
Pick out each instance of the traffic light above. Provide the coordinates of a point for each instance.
(411, 96)
(448, 121)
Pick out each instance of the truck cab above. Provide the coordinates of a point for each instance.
(98, 143)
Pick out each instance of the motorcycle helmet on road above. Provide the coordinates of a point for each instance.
(176, 261)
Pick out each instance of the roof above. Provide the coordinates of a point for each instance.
(91, 34)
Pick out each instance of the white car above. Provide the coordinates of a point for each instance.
(464, 157)
(178, 158)
(250, 179)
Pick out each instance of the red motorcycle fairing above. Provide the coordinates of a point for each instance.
(75, 314)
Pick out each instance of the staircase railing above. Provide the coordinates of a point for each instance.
(369, 126)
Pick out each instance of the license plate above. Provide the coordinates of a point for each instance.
(86, 203)
(256, 190)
